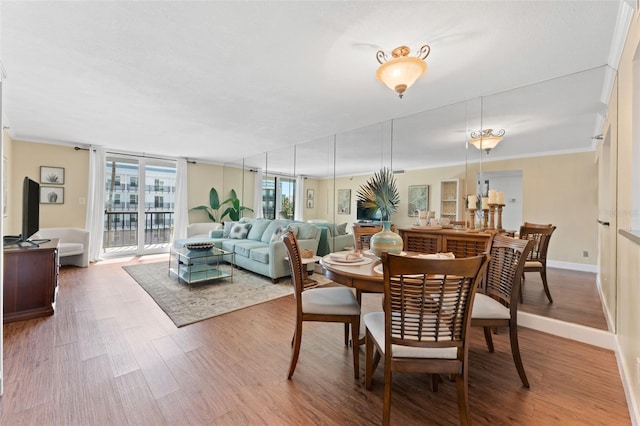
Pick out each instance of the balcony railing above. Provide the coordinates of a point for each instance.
(121, 228)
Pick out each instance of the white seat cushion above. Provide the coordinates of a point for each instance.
(485, 307)
(532, 264)
(70, 249)
(331, 301)
(374, 322)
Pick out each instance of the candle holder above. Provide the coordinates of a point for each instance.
(472, 219)
(499, 224)
(485, 213)
(492, 210)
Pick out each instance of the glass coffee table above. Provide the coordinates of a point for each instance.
(194, 266)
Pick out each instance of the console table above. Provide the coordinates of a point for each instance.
(460, 242)
(30, 281)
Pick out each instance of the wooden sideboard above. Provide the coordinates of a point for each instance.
(460, 242)
(30, 281)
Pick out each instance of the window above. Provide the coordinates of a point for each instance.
(278, 197)
(158, 202)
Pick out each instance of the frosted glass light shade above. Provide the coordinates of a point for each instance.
(400, 73)
(487, 142)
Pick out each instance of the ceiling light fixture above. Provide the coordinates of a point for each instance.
(400, 72)
(486, 139)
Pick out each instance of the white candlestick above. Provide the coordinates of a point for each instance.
(500, 197)
(492, 196)
(473, 201)
(485, 203)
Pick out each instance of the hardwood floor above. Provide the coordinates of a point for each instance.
(575, 297)
(109, 355)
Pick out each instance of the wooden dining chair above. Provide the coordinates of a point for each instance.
(537, 259)
(362, 236)
(425, 323)
(329, 304)
(496, 304)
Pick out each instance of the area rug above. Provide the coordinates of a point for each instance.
(206, 300)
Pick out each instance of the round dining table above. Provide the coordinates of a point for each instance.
(360, 277)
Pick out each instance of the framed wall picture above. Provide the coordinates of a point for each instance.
(51, 195)
(309, 203)
(52, 175)
(418, 199)
(344, 201)
(309, 193)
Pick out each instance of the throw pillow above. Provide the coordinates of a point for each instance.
(341, 229)
(293, 229)
(277, 234)
(240, 231)
(280, 231)
(227, 229)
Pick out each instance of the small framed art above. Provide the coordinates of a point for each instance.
(52, 175)
(51, 195)
(309, 203)
(418, 199)
(344, 201)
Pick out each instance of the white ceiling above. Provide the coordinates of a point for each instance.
(217, 81)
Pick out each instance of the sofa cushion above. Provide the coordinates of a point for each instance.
(341, 229)
(216, 233)
(260, 255)
(244, 248)
(227, 229)
(257, 229)
(307, 231)
(239, 231)
(229, 245)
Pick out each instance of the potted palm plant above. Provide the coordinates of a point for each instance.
(380, 193)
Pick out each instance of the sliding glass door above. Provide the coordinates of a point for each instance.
(139, 205)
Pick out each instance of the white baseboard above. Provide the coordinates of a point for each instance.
(573, 266)
(627, 379)
(592, 336)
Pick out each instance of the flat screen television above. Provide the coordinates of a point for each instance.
(30, 208)
(367, 215)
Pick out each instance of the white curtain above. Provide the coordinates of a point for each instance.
(257, 195)
(181, 210)
(95, 202)
(299, 206)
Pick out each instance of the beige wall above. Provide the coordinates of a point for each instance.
(551, 195)
(25, 159)
(201, 178)
(628, 252)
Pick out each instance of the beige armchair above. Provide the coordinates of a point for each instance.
(201, 229)
(74, 244)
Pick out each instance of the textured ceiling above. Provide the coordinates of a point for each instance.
(217, 81)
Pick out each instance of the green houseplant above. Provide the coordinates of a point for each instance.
(234, 210)
(381, 193)
(213, 207)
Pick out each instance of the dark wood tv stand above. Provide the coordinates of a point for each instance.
(30, 281)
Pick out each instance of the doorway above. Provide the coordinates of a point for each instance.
(139, 205)
(510, 182)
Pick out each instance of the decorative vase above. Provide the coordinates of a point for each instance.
(386, 240)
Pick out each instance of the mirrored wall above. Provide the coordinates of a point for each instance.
(318, 180)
